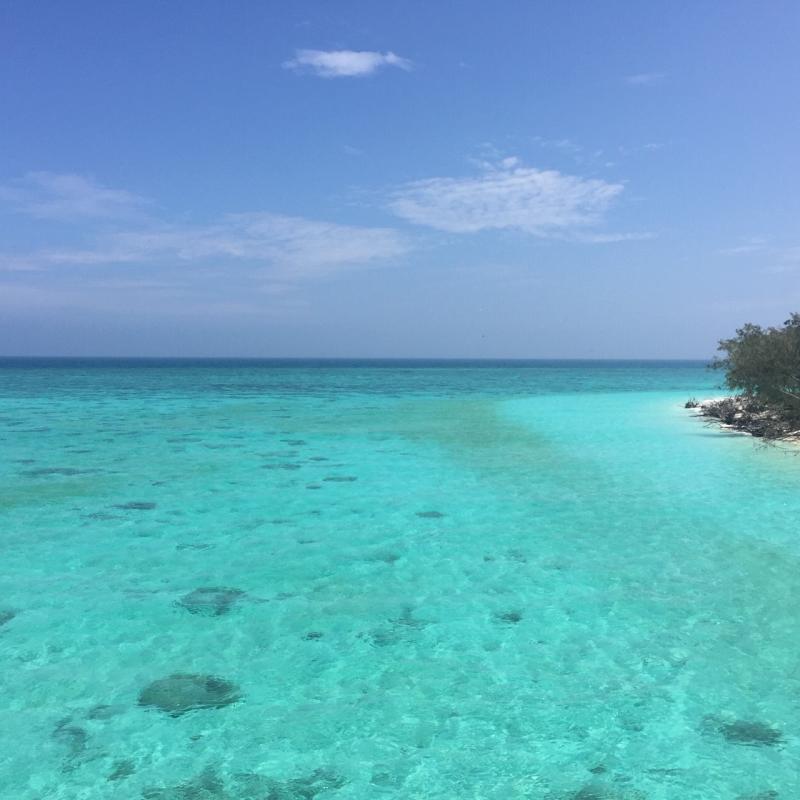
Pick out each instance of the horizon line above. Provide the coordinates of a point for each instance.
(350, 358)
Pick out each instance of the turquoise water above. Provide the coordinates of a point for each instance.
(461, 581)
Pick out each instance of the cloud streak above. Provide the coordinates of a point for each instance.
(292, 248)
(645, 78)
(507, 196)
(116, 231)
(344, 63)
(48, 195)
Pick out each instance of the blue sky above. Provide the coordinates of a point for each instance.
(448, 179)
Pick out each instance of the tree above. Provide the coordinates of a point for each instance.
(764, 364)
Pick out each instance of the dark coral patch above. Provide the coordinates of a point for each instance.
(180, 693)
(751, 733)
(509, 617)
(408, 620)
(589, 793)
(74, 739)
(208, 785)
(768, 794)
(6, 615)
(205, 786)
(43, 471)
(123, 768)
(430, 514)
(600, 792)
(387, 557)
(211, 601)
(382, 637)
(305, 788)
(104, 712)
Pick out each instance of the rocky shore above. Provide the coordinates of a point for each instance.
(747, 415)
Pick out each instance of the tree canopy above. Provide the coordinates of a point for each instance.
(764, 364)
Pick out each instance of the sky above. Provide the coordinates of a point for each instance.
(466, 179)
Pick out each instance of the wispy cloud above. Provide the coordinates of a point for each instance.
(277, 246)
(166, 300)
(344, 63)
(509, 196)
(755, 244)
(291, 248)
(645, 78)
(47, 195)
(772, 258)
(610, 238)
(565, 145)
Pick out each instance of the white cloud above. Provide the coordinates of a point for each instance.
(645, 78)
(610, 238)
(755, 244)
(565, 145)
(507, 196)
(289, 248)
(47, 195)
(344, 63)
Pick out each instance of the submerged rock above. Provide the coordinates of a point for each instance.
(205, 786)
(408, 620)
(751, 733)
(303, 788)
(589, 793)
(768, 794)
(180, 693)
(604, 792)
(103, 711)
(123, 768)
(6, 615)
(509, 617)
(382, 637)
(136, 505)
(211, 601)
(43, 471)
(387, 557)
(74, 739)
(208, 785)
(399, 629)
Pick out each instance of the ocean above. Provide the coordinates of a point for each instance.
(341, 580)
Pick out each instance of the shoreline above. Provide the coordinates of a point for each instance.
(741, 414)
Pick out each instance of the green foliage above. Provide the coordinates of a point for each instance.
(764, 364)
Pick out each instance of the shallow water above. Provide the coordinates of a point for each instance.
(416, 581)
